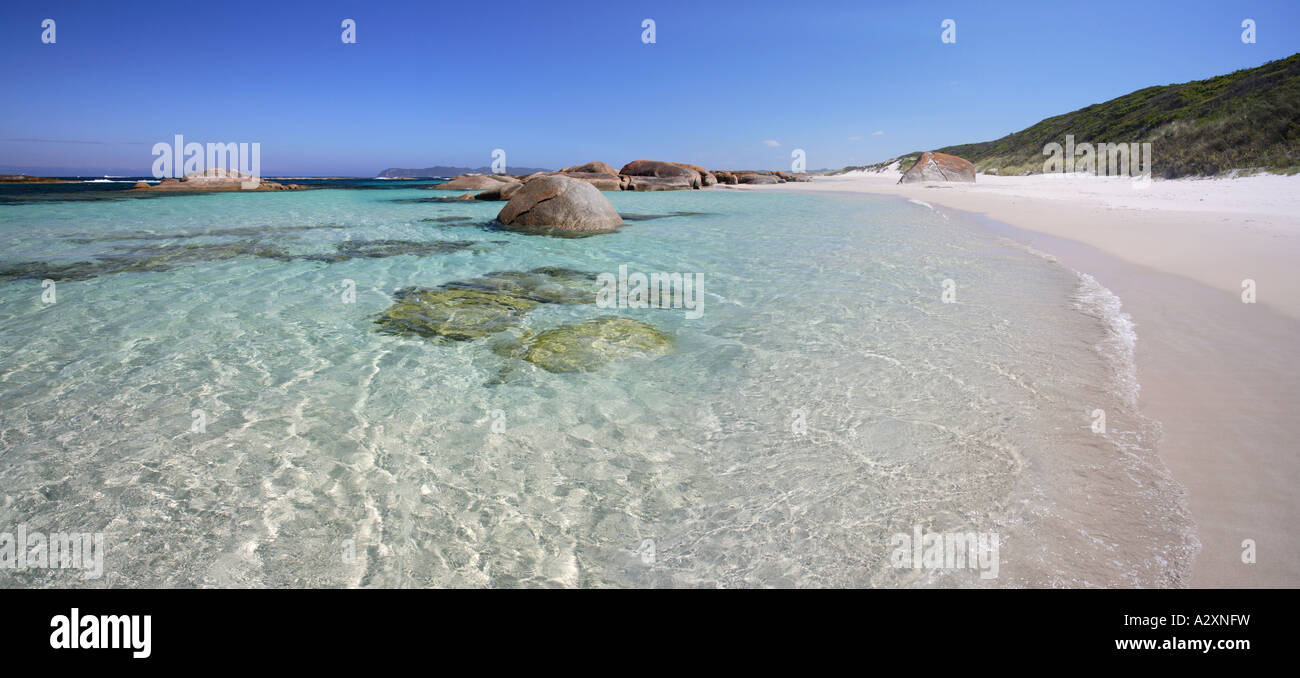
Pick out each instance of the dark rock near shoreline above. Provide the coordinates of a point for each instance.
(660, 184)
(756, 178)
(678, 176)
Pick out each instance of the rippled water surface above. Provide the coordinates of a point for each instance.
(825, 400)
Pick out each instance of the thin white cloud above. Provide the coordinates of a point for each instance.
(855, 138)
(770, 142)
(876, 133)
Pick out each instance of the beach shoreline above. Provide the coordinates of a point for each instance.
(1216, 373)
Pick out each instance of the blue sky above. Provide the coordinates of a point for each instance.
(559, 83)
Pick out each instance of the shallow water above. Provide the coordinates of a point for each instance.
(826, 400)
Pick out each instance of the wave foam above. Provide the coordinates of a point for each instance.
(1096, 300)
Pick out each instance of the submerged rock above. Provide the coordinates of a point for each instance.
(547, 285)
(647, 217)
(474, 308)
(586, 346)
(159, 258)
(154, 259)
(184, 235)
(447, 220)
(452, 314)
(463, 197)
(380, 249)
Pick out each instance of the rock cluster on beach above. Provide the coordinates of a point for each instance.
(933, 166)
(568, 202)
(638, 175)
(215, 180)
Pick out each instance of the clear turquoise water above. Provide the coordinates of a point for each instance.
(324, 437)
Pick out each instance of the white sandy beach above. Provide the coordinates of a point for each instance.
(1220, 375)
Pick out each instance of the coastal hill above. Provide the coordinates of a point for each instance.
(441, 172)
(1247, 120)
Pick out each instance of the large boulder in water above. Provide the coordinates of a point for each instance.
(939, 167)
(452, 314)
(559, 205)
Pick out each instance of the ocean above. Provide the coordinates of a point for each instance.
(207, 382)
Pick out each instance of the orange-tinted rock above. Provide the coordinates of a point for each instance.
(939, 167)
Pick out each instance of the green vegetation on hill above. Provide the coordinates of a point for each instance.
(1247, 120)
